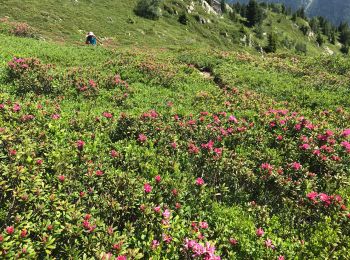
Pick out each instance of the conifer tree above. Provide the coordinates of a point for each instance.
(223, 6)
(272, 43)
(254, 13)
(344, 33)
(319, 39)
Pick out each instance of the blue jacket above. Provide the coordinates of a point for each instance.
(91, 40)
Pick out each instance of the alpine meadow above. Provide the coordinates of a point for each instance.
(173, 129)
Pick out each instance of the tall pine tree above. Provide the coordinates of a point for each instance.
(254, 13)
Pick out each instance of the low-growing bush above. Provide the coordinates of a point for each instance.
(301, 48)
(31, 75)
(183, 19)
(149, 9)
(20, 29)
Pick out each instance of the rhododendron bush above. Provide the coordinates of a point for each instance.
(128, 163)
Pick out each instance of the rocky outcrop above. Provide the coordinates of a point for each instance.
(208, 8)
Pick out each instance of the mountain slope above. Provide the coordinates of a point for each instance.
(116, 24)
(334, 10)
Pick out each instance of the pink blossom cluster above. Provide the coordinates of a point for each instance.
(206, 252)
(150, 114)
(87, 225)
(325, 199)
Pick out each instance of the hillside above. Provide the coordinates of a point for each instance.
(117, 25)
(336, 11)
(151, 148)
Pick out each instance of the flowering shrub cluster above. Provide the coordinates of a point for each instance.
(85, 175)
(17, 28)
(29, 74)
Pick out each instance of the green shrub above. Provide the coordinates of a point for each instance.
(183, 19)
(344, 49)
(301, 48)
(17, 28)
(149, 9)
(30, 75)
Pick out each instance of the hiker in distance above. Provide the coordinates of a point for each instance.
(91, 39)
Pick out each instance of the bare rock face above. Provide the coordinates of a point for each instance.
(208, 8)
(190, 8)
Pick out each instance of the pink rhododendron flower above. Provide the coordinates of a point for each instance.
(23, 233)
(118, 246)
(114, 153)
(166, 214)
(316, 152)
(107, 115)
(233, 241)
(16, 107)
(208, 145)
(346, 132)
(173, 145)
(174, 192)
(26, 118)
(324, 198)
(267, 166)
(147, 188)
(10, 230)
(218, 151)
(158, 178)
(61, 178)
(167, 238)
(304, 146)
(268, 243)
(346, 145)
(203, 225)
(281, 257)
(259, 232)
(80, 145)
(92, 83)
(329, 133)
(192, 148)
(296, 166)
(207, 252)
(142, 138)
(99, 173)
(338, 198)
(121, 257)
(297, 127)
(55, 116)
(312, 195)
(39, 162)
(154, 244)
(156, 209)
(200, 236)
(233, 119)
(199, 182)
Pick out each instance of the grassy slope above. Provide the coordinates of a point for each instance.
(69, 20)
